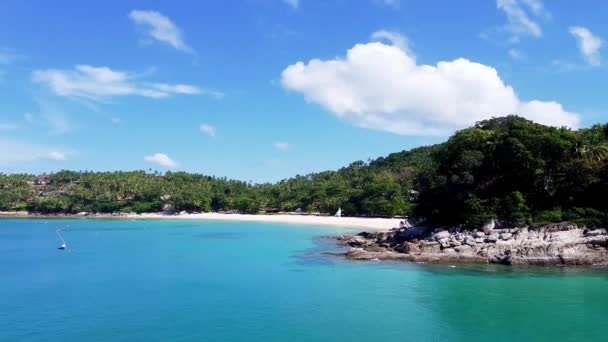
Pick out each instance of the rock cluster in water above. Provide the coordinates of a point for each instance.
(556, 244)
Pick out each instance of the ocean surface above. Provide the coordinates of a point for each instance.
(234, 281)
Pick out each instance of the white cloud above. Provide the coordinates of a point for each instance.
(381, 87)
(161, 159)
(395, 4)
(19, 151)
(589, 45)
(207, 129)
(294, 4)
(281, 145)
(518, 14)
(50, 117)
(517, 54)
(395, 38)
(176, 88)
(56, 155)
(565, 66)
(160, 28)
(537, 7)
(116, 120)
(98, 83)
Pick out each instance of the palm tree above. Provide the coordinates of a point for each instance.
(595, 152)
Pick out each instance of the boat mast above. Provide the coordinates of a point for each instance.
(61, 237)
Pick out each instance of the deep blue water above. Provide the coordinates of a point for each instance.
(221, 281)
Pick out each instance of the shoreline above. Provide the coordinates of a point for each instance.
(558, 244)
(368, 223)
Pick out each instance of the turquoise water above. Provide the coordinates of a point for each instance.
(212, 281)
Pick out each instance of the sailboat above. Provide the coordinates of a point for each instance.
(63, 244)
(338, 213)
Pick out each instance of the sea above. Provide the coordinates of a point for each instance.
(187, 280)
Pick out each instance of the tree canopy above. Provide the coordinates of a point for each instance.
(506, 168)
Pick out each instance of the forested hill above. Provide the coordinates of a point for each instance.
(507, 168)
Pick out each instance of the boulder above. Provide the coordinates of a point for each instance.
(596, 232)
(550, 245)
(488, 227)
(463, 249)
(492, 238)
(441, 235)
(356, 241)
(412, 233)
(505, 236)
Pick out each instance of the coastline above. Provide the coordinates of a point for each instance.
(374, 224)
(558, 244)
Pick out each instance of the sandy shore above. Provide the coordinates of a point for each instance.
(377, 224)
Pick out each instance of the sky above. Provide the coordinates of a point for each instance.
(261, 90)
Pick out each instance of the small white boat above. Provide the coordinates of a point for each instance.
(63, 244)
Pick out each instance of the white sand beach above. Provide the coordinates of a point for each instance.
(377, 224)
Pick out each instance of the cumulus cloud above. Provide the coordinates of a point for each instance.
(160, 28)
(207, 129)
(281, 145)
(589, 45)
(99, 83)
(19, 151)
(395, 38)
(161, 159)
(294, 4)
(381, 87)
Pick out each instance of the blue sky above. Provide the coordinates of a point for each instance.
(266, 89)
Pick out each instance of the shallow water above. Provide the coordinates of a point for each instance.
(236, 281)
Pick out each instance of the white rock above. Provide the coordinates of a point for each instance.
(441, 235)
(492, 238)
(596, 232)
(488, 227)
(505, 236)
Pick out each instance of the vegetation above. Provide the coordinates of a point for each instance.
(516, 170)
(507, 168)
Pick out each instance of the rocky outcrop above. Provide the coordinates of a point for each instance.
(556, 244)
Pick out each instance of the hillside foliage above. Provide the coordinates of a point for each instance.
(505, 168)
